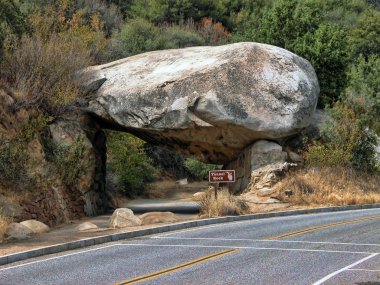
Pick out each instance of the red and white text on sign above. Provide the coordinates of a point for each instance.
(215, 176)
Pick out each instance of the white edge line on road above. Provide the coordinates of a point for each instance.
(344, 269)
(248, 247)
(57, 257)
(200, 246)
(257, 220)
(211, 226)
(361, 269)
(275, 241)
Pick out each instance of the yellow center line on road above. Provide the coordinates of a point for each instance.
(317, 228)
(178, 267)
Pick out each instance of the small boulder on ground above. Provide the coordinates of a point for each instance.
(86, 226)
(36, 226)
(159, 217)
(198, 196)
(123, 217)
(16, 231)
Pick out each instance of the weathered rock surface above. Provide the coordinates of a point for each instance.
(123, 217)
(41, 191)
(16, 231)
(264, 178)
(266, 152)
(86, 226)
(259, 155)
(295, 157)
(9, 209)
(198, 196)
(209, 102)
(158, 217)
(36, 226)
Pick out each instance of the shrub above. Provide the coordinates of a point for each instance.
(365, 37)
(127, 159)
(13, 151)
(67, 36)
(199, 170)
(68, 160)
(4, 222)
(44, 71)
(345, 142)
(13, 158)
(175, 36)
(225, 204)
(329, 186)
(137, 36)
(12, 22)
(363, 91)
(213, 32)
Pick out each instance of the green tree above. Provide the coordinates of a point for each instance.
(363, 90)
(199, 170)
(345, 142)
(12, 22)
(137, 36)
(127, 159)
(365, 37)
(300, 28)
(175, 36)
(327, 50)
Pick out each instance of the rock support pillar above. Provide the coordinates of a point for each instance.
(255, 156)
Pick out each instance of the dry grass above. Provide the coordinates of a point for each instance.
(44, 71)
(329, 186)
(16, 197)
(4, 222)
(225, 205)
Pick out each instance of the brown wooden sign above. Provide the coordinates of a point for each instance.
(221, 176)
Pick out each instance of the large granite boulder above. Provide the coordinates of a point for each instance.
(123, 217)
(256, 165)
(159, 217)
(209, 102)
(37, 227)
(16, 231)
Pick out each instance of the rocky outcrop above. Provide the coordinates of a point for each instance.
(41, 191)
(209, 102)
(158, 217)
(123, 217)
(213, 103)
(264, 178)
(90, 184)
(254, 161)
(9, 209)
(36, 226)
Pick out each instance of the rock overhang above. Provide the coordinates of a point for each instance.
(207, 102)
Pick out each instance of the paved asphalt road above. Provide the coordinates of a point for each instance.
(328, 248)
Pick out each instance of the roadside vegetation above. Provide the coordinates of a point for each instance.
(329, 186)
(43, 44)
(4, 222)
(225, 204)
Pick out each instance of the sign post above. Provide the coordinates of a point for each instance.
(218, 176)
